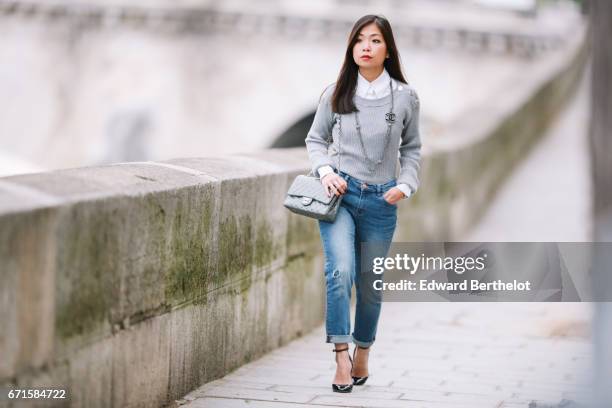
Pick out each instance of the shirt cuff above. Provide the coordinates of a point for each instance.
(325, 170)
(404, 189)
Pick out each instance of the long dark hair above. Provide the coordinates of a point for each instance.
(342, 99)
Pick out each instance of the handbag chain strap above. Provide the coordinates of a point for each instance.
(339, 138)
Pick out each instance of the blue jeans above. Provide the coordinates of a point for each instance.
(364, 215)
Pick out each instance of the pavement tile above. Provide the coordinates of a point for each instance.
(378, 403)
(238, 403)
(264, 395)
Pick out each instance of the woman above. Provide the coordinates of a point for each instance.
(371, 114)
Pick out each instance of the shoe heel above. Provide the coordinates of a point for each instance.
(359, 380)
(343, 388)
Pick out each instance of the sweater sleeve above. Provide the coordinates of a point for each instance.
(320, 133)
(410, 147)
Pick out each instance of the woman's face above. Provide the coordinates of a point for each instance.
(370, 49)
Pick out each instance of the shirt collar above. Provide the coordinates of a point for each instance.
(376, 88)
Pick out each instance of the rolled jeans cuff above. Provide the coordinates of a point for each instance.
(362, 343)
(340, 338)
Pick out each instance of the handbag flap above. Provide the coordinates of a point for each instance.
(308, 186)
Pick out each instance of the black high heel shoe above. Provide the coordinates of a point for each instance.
(359, 380)
(343, 387)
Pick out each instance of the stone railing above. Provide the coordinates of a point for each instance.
(522, 43)
(131, 284)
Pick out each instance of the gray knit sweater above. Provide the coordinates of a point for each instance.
(405, 141)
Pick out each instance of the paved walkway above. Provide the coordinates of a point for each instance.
(435, 355)
(548, 196)
(429, 355)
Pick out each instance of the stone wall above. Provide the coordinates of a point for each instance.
(131, 284)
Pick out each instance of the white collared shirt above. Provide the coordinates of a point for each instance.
(378, 88)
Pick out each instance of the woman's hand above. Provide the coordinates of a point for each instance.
(393, 195)
(333, 183)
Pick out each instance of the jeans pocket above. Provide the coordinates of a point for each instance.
(382, 197)
(387, 188)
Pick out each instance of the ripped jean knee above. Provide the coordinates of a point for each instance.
(339, 275)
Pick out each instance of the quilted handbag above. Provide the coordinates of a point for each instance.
(307, 195)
